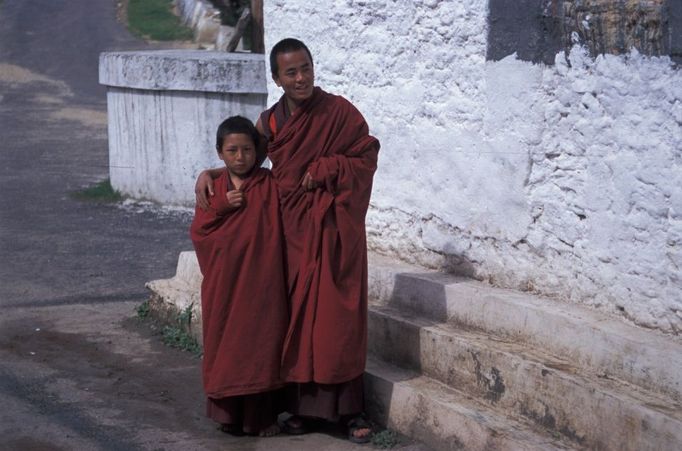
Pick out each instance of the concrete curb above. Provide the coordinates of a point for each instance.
(527, 384)
(441, 417)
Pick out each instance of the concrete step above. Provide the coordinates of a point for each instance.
(592, 341)
(586, 409)
(170, 297)
(442, 417)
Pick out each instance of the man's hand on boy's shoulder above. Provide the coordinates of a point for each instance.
(203, 189)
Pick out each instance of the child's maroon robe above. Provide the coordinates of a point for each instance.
(325, 234)
(243, 293)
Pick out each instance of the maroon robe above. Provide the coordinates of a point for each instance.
(243, 293)
(325, 234)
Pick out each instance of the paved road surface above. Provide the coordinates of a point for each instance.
(78, 371)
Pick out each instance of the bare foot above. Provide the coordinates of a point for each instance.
(270, 431)
(361, 433)
(359, 430)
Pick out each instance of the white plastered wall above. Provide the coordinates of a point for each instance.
(565, 180)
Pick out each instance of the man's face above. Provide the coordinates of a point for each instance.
(295, 75)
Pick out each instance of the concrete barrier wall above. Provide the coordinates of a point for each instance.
(163, 111)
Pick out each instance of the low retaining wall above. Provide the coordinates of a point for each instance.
(163, 111)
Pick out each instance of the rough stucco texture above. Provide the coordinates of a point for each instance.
(563, 179)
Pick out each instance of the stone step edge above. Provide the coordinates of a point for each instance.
(584, 408)
(479, 339)
(441, 417)
(592, 340)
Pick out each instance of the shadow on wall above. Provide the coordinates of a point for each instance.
(538, 29)
(459, 266)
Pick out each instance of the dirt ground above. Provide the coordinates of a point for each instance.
(80, 376)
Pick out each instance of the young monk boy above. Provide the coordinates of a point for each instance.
(238, 242)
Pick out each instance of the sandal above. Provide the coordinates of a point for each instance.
(356, 424)
(294, 429)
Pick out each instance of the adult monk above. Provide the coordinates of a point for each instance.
(323, 161)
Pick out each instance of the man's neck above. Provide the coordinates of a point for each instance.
(291, 105)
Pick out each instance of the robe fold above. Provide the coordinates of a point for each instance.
(325, 234)
(243, 292)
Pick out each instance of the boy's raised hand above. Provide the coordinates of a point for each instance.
(235, 198)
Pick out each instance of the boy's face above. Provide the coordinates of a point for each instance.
(295, 75)
(239, 153)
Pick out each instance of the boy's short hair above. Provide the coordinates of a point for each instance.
(286, 45)
(236, 124)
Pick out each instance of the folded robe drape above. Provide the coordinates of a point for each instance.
(325, 234)
(243, 293)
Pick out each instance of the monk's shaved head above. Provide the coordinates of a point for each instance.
(287, 45)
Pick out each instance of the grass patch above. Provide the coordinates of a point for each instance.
(385, 439)
(176, 335)
(143, 310)
(154, 19)
(100, 192)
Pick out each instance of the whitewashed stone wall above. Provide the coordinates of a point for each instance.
(565, 180)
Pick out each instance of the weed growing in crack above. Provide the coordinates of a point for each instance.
(143, 310)
(176, 336)
(385, 439)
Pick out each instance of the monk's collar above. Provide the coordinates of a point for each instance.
(303, 105)
(245, 179)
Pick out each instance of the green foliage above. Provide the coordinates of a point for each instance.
(153, 19)
(185, 316)
(143, 310)
(385, 439)
(100, 192)
(176, 336)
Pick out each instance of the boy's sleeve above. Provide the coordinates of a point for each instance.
(206, 222)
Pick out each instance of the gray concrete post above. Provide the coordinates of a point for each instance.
(163, 110)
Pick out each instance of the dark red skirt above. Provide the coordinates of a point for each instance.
(248, 413)
(330, 402)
